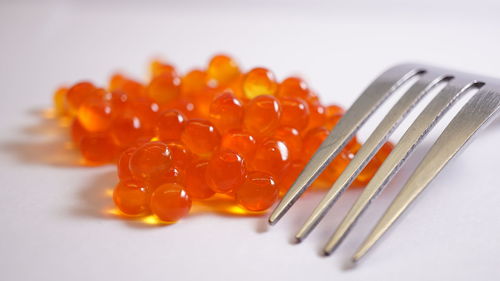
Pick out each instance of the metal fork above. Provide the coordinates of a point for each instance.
(475, 114)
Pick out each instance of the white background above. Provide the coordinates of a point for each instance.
(53, 223)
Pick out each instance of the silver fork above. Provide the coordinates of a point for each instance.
(475, 114)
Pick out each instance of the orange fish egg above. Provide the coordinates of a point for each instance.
(158, 67)
(181, 156)
(334, 109)
(97, 148)
(184, 105)
(123, 164)
(368, 172)
(294, 87)
(258, 192)
(77, 94)
(334, 169)
(200, 137)
(59, 100)
(146, 109)
(262, 116)
(95, 113)
(221, 70)
(317, 117)
(312, 140)
(272, 156)
(193, 82)
(119, 101)
(131, 87)
(384, 151)
(240, 142)
(130, 198)
(294, 113)
(164, 88)
(225, 171)
(170, 125)
(293, 140)
(196, 183)
(77, 132)
(170, 202)
(226, 112)
(331, 121)
(151, 161)
(289, 175)
(126, 130)
(259, 81)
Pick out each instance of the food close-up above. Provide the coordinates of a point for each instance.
(178, 139)
(251, 140)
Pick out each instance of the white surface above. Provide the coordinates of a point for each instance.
(52, 220)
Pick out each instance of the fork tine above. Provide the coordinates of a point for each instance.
(475, 114)
(360, 111)
(415, 133)
(426, 83)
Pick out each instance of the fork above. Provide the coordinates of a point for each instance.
(481, 109)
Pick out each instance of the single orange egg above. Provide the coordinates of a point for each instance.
(127, 130)
(222, 69)
(170, 125)
(170, 202)
(294, 87)
(196, 183)
(259, 81)
(158, 67)
(225, 171)
(312, 140)
(272, 156)
(240, 142)
(130, 198)
(97, 148)
(262, 116)
(226, 112)
(258, 192)
(164, 88)
(317, 117)
(294, 113)
(193, 82)
(151, 161)
(123, 164)
(201, 137)
(293, 140)
(77, 94)
(96, 113)
(129, 86)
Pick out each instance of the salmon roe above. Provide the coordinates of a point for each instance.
(240, 142)
(77, 94)
(170, 125)
(130, 198)
(258, 192)
(262, 116)
(225, 171)
(259, 81)
(170, 202)
(226, 112)
(196, 184)
(150, 162)
(222, 69)
(295, 113)
(294, 87)
(213, 133)
(201, 137)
